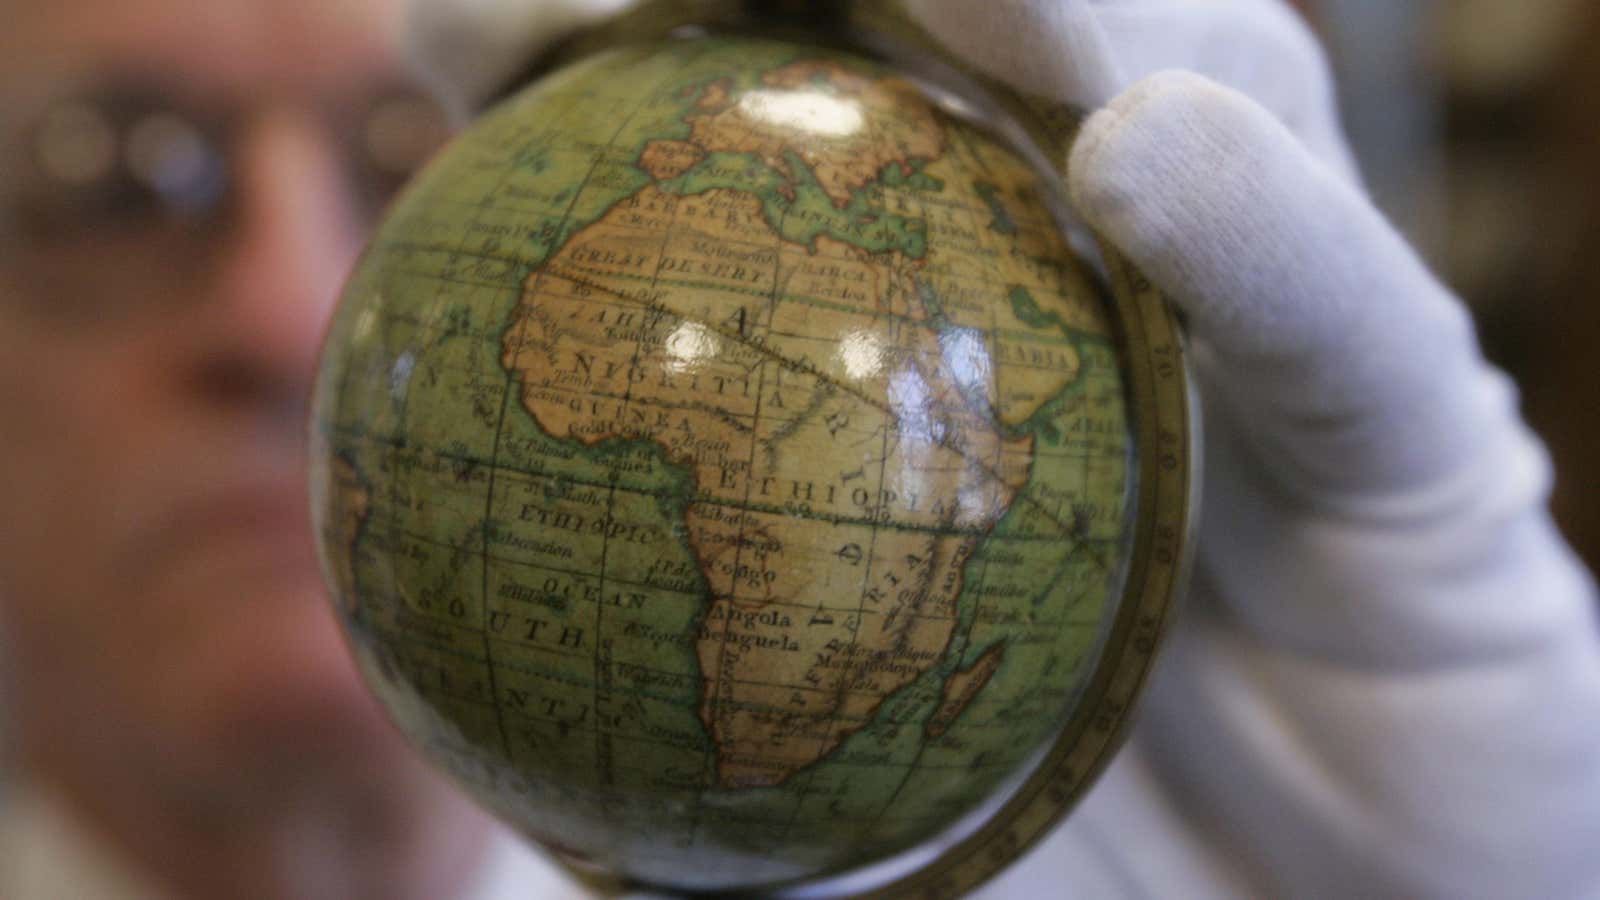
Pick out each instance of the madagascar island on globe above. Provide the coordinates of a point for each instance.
(724, 466)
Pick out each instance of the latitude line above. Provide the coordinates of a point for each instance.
(829, 382)
(636, 693)
(777, 509)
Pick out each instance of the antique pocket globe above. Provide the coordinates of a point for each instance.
(729, 468)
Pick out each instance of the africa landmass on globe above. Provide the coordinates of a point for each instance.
(722, 460)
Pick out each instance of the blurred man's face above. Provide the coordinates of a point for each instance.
(183, 184)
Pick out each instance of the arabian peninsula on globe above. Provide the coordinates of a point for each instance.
(722, 464)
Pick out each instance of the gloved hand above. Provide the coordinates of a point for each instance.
(1386, 682)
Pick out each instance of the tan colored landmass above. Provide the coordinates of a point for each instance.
(669, 159)
(867, 123)
(634, 330)
(714, 95)
(962, 687)
(972, 269)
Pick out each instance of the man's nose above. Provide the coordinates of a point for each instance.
(293, 234)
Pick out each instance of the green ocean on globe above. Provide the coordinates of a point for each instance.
(721, 463)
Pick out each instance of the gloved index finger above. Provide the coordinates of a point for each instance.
(1323, 335)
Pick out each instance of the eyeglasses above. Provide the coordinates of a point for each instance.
(112, 196)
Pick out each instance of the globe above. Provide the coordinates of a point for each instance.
(729, 471)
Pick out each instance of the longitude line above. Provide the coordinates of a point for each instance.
(499, 432)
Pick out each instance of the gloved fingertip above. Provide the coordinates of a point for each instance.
(1229, 212)
(1330, 331)
(1092, 188)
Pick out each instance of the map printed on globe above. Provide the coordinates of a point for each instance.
(722, 463)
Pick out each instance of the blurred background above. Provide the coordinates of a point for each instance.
(1478, 129)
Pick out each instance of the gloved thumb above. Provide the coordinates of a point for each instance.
(1322, 335)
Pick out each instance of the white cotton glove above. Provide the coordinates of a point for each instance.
(1387, 680)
